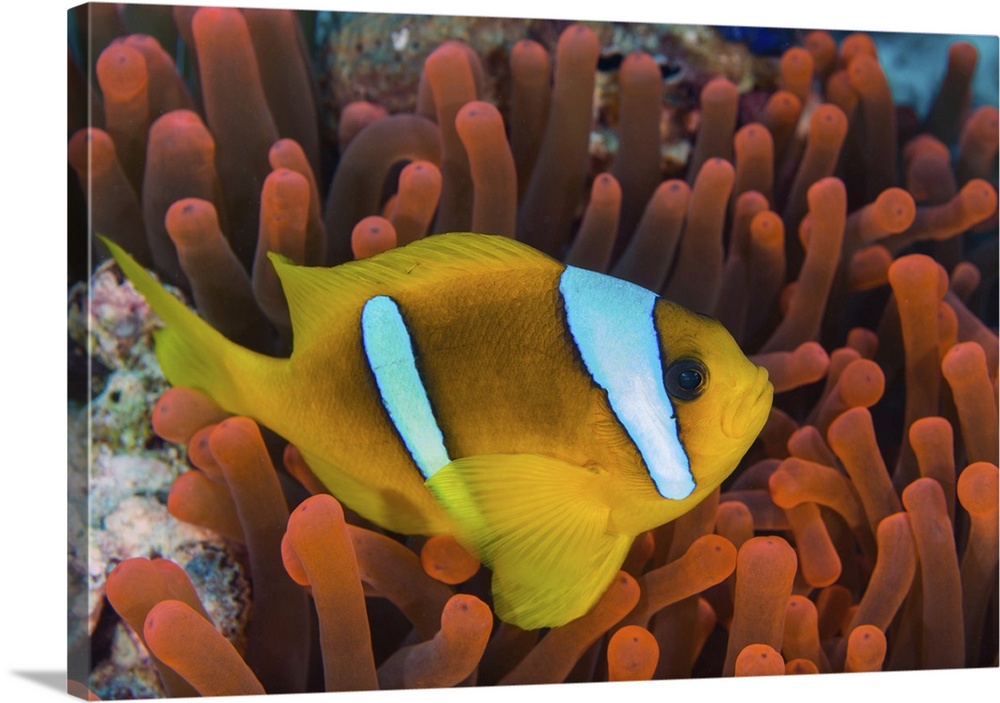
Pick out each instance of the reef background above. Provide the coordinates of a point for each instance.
(986, 59)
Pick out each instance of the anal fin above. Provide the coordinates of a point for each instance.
(541, 525)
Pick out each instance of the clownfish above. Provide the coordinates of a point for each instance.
(544, 415)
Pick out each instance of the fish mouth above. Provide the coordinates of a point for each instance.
(748, 413)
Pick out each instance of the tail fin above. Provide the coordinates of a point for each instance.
(191, 352)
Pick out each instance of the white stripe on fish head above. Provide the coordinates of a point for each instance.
(611, 322)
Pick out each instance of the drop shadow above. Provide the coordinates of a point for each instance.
(55, 680)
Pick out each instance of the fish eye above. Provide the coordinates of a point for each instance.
(686, 379)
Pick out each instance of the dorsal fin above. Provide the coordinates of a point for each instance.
(318, 294)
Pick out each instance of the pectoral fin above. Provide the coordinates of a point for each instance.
(541, 525)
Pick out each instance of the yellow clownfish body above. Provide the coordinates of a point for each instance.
(466, 384)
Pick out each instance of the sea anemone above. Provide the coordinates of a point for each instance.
(849, 247)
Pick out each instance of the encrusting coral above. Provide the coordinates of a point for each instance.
(849, 253)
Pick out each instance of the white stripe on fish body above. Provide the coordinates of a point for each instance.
(389, 350)
(611, 322)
